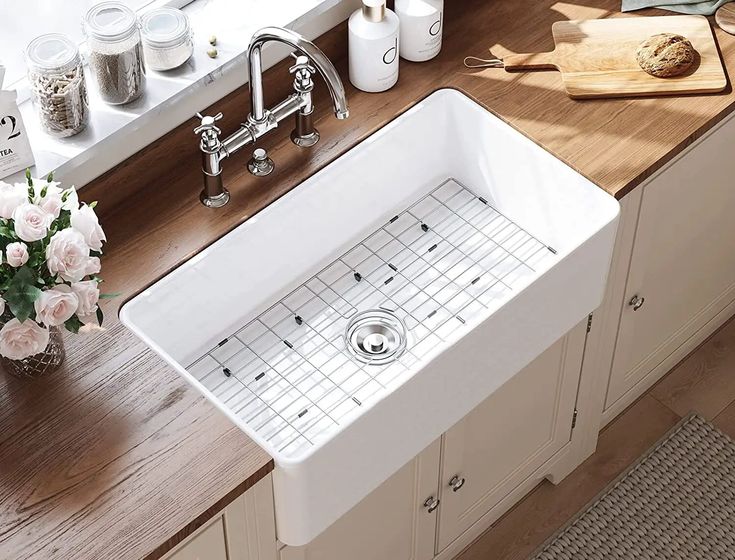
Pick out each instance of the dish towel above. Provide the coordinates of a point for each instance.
(703, 7)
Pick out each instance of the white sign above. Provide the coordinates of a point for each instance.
(15, 149)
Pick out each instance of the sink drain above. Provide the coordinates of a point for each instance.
(376, 337)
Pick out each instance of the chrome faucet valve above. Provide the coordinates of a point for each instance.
(304, 134)
(208, 130)
(214, 194)
(303, 72)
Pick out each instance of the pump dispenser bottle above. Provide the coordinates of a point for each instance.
(373, 47)
(421, 28)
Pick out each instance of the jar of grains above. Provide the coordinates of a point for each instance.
(167, 38)
(56, 77)
(115, 52)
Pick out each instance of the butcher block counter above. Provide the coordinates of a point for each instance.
(115, 456)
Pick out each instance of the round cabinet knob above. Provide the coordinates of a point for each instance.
(636, 302)
(431, 504)
(456, 482)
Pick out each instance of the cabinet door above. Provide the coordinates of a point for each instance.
(510, 435)
(208, 544)
(391, 522)
(244, 530)
(683, 264)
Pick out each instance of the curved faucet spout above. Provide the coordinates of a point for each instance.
(300, 43)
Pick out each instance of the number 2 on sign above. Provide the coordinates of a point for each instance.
(10, 120)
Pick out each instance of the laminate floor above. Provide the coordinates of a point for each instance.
(703, 382)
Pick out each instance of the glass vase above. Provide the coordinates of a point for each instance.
(40, 364)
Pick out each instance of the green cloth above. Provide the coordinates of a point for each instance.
(705, 8)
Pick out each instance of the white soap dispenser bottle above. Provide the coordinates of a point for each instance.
(422, 23)
(373, 47)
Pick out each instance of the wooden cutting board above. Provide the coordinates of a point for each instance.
(597, 57)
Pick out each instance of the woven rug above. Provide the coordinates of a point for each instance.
(676, 503)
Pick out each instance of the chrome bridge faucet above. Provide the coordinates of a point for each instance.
(308, 60)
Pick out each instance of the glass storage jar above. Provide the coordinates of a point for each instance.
(58, 89)
(115, 52)
(167, 38)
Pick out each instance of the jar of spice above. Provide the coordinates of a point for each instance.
(115, 52)
(56, 77)
(167, 38)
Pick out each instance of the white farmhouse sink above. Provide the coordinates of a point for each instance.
(446, 223)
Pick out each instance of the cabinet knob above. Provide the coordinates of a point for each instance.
(431, 504)
(636, 302)
(456, 482)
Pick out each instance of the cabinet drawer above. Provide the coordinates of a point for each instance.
(209, 544)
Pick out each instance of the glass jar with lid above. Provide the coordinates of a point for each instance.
(115, 52)
(58, 89)
(167, 38)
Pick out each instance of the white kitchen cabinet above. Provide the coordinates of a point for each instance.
(508, 437)
(681, 281)
(397, 521)
(244, 530)
(207, 544)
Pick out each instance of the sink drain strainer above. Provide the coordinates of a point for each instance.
(376, 336)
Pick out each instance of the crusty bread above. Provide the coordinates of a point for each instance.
(665, 55)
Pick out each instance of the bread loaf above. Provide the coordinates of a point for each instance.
(665, 55)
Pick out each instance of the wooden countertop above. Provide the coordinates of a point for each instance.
(115, 456)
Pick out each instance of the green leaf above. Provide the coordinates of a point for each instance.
(110, 296)
(73, 324)
(92, 204)
(35, 259)
(21, 293)
(6, 231)
(28, 177)
(50, 177)
(100, 316)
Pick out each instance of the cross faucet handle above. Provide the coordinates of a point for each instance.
(303, 62)
(207, 123)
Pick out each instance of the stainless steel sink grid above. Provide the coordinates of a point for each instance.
(289, 373)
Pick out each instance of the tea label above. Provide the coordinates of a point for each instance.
(15, 149)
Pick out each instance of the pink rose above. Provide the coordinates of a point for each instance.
(20, 340)
(85, 222)
(11, 196)
(88, 295)
(56, 305)
(17, 254)
(67, 255)
(93, 266)
(31, 222)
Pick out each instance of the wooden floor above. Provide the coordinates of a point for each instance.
(704, 382)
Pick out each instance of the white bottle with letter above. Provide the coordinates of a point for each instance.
(373, 47)
(422, 23)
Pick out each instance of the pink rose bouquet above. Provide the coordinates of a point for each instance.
(50, 256)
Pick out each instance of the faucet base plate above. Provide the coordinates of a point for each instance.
(215, 201)
(305, 141)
